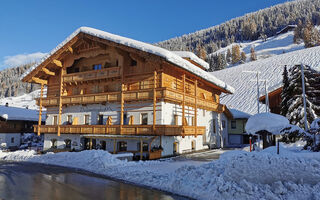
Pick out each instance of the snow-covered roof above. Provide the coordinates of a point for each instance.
(237, 114)
(193, 57)
(270, 122)
(14, 113)
(245, 96)
(166, 54)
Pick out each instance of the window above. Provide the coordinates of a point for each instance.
(54, 143)
(69, 119)
(233, 124)
(122, 146)
(144, 118)
(145, 146)
(55, 120)
(96, 67)
(100, 119)
(133, 63)
(68, 143)
(117, 63)
(12, 140)
(223, 123)
(86, 119)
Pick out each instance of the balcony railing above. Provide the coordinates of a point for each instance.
(166, 130)
(92, 75)
(167, 94)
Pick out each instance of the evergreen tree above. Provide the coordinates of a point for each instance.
(311, 36)
(285, 94)
(295, 112)
(235, 54)
(298, 33)
(243, 57)
(253, 56)
(228, 56)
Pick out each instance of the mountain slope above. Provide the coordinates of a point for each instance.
(248, 27)
(245, 96)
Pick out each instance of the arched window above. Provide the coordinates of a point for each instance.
(54, 143)
(67, 144)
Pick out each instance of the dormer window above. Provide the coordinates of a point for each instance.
(133, 63)
(96, 67)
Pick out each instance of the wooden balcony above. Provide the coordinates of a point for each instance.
(166, 130)
(166, 94)
(92, 75)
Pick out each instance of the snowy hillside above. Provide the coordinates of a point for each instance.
(276, 45)
(23, 101)
(245, 96)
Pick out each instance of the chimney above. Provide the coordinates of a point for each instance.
(7, 104)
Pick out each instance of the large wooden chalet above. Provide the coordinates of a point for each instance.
(114, 93)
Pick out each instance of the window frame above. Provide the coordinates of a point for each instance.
(141, 118)
(235, 124)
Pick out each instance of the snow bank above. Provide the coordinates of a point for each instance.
(236, 175)
(166, 54)
(237, 114)
(270, 122)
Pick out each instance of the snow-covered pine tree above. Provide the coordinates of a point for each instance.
(311, 35)
(228, 56)
(296, 110)
(298, 33)
(286, 93)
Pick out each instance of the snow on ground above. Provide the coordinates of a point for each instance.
(275, 45)
(294, 174)
(23, 101)
(245, 96)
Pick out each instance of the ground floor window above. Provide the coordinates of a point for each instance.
(68, 143)
(54, 143)
(122, 146)
(12, 140)
(145, 146)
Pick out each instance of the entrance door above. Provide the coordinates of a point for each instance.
(104, 145)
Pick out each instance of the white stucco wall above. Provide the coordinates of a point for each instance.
(75, 141)
(5, 139)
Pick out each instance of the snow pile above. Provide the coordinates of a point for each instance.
(245, 96)
(13, 113)
(167, 55)
(270, 122)
(193, 57)
(236, 175)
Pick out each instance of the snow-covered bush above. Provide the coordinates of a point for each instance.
(293, 134)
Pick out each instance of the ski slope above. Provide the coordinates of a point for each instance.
(275, 45)
(23, 101)
(245, 96)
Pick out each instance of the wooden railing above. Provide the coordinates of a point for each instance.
(92, 75)
(167, 130)
(167, 94)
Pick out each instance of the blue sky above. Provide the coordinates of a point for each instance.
(30, 28)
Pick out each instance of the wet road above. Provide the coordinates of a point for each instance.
(35, 181)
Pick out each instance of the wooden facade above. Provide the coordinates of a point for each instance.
(274, 100)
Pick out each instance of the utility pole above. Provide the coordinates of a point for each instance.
(267, 95)
(258, 93)
(304, 99)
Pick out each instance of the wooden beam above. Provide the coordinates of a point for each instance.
(40, 81)
(141, 149)
(114, 146)
(40, 110)
(195, 106)
(121, 100)
(183, 102)
(154, 100)
(70, 49)
(57, 62)
(60, 99)
(48, 72)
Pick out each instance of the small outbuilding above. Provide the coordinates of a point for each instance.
(267, 126)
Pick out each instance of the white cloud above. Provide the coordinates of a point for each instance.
(20, 59)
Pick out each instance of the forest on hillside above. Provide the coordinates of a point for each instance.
(260, 24)
(10, 82)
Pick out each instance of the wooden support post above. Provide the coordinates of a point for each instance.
(121, 108)
(196, 106)
(114, 146)
(90, 144)
(40, 110)
(60, 99)
(183, 103)
(141, 149)
(154, 100)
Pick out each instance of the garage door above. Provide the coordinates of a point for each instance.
(235, 139)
